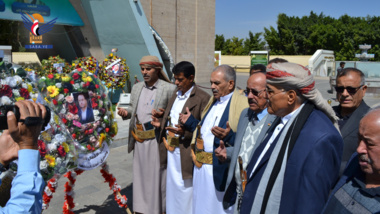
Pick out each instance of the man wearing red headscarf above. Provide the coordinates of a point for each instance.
(149, 179)
(296, 165)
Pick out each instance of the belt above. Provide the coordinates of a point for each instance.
(204, 157)
(143, 135)
(172, 141)
(199, 156)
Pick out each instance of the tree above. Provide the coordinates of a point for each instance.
(253, 42)
(233, 46)
(219, 42)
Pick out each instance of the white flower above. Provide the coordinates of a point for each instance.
(96, 112)
(5, 100)
(43, 164)
(16, 93)
(51, 147)
(60, 138)
(58, 85)
(76, 86)
(61, 97)
(24, 85)
(58, 161)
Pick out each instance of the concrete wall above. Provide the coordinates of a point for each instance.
(188, 29)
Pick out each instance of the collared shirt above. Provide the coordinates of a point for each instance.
(212, 119)
(27, 186)
(276, 131)
(84, 114)
(354, 197)
(146, 103)
(178, 104)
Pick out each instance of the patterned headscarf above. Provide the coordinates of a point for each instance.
(154, 61)
(294, 76)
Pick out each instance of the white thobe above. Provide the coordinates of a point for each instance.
(206, 199)
(179, 192)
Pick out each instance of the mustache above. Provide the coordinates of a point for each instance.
(251, 101)
(363, 157)
(214, 90)
(146, 75)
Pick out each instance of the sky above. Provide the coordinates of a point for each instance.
(238, 17)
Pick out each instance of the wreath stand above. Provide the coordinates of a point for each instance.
(68, 204)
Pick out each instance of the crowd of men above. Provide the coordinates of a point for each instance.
(275, 147)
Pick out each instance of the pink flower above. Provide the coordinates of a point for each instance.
(69, 99)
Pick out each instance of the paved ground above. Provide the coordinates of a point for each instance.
(94, 196)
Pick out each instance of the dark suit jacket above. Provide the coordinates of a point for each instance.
(312, 168)
(89, 115)
(350, 133)
(246, 115)
(352, 170)
(196, 102)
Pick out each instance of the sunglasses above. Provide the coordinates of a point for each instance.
(350, 90)
(253, 91)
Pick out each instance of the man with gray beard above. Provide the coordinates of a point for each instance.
(358, 190)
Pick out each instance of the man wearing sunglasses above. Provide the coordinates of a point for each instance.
(350, 90)
(253, 124)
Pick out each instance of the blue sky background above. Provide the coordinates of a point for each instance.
(238, 17)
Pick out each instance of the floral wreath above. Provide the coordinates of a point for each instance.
(89, 64)
(114, 79)
(55, 145)
(64, 92)
(49, 66)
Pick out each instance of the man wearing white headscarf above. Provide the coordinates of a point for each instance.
(296, 165)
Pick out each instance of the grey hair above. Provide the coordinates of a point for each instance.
(228, 71)
(349, 70)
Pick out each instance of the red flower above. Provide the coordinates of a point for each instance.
(74, 136)
(24, 93)
(42, 148)
(64, 120)
(76, 76)
(50, 76)
(73, 109)
(65, 90)
(6, 91)
(61, 151)
(89, 147)
(55, 102)
(107, 130)
(94, 104)
(96, 86)
(72, 82)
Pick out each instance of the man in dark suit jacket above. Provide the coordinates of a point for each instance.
(358, 190)
(175, 148)
(84, 108)
(297, 164)
(253, 124)
(350, 90)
